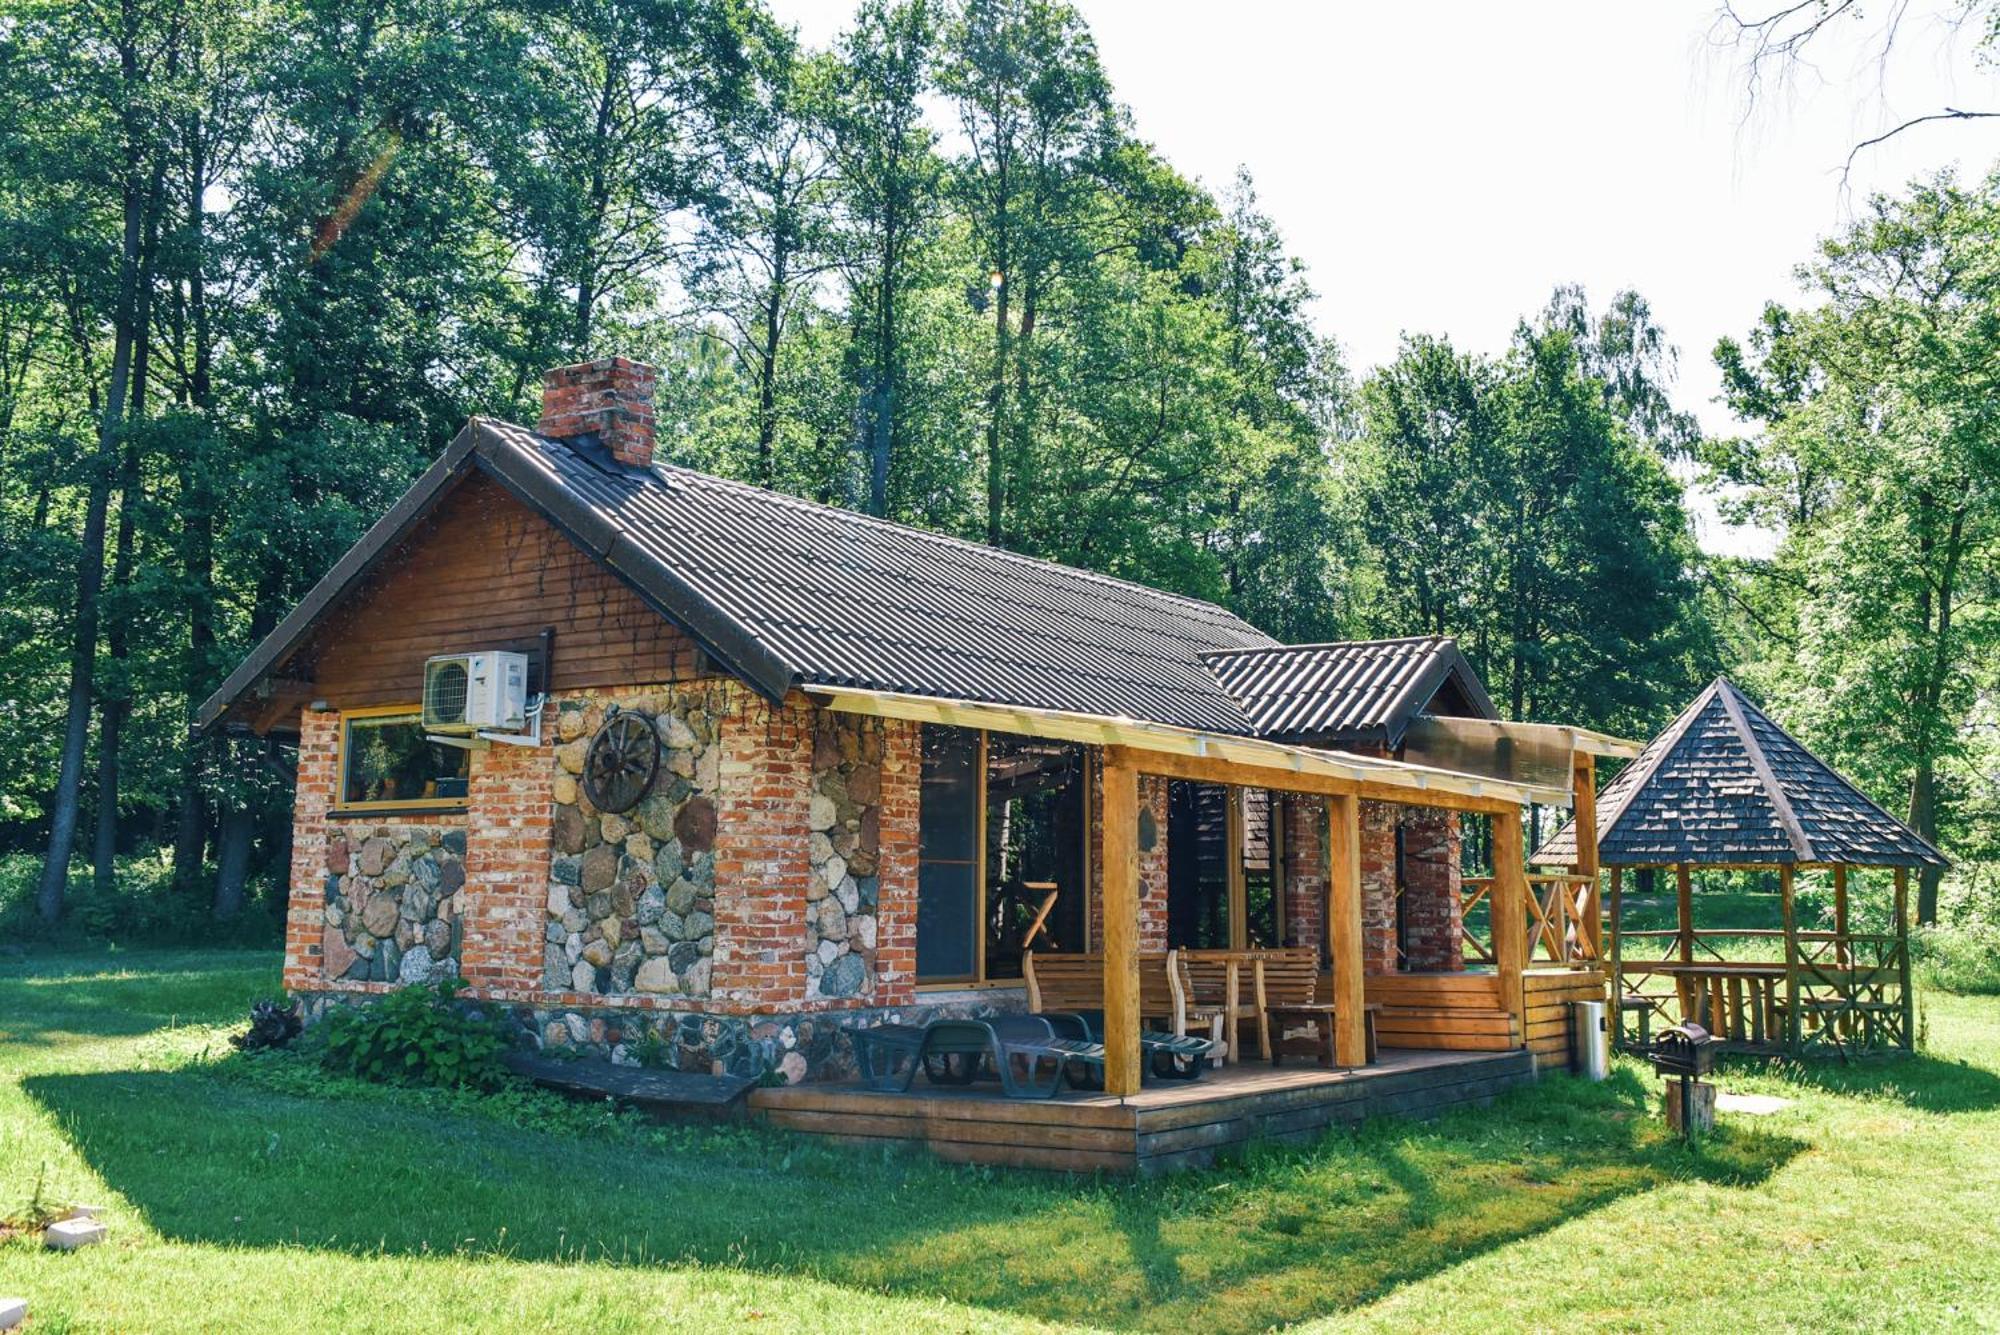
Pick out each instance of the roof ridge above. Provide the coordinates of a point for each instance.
(1733, 701)
(1330, 644)
(948, 539)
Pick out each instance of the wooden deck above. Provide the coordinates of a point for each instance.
(1164, 1127)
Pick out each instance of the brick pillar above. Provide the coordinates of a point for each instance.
(1153, 865)
(1378, 886)
(509, 841)
(896, 893)
(1305, 872)
(1433, 928)
(762, 860)
(312, 861)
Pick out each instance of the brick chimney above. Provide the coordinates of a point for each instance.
(611, 398)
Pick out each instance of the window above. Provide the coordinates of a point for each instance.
(948, 909)
(1001, 826)
(386, 762)
(1262, 838)
(1199, 913)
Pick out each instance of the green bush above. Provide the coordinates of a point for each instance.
(1958, 957)
(143, 907)
(416, 1036)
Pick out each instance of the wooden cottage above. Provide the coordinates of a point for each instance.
(780, 771)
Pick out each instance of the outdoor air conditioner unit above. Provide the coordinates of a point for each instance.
(470, 693)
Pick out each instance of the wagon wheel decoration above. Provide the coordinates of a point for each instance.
(618, 768)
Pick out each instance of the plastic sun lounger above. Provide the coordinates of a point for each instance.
(1173, 1056)
(953, 1052)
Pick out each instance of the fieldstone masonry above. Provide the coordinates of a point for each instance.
(393, 909)
(843, 848)
(631, 895)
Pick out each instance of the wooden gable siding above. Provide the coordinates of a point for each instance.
(486, 572)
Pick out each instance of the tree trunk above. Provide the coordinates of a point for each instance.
(232, 861)
(996, 395)
(90, 572)
(767, 376)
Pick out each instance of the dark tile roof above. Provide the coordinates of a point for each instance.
(787, 593)
(1354, 692)
(1726, 785)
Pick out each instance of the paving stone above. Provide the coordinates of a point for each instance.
(71, 1234)
(13, 1311)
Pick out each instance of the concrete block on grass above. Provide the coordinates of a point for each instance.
(70, 1234)
(13, 1311)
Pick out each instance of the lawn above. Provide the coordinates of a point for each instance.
(258, 1200)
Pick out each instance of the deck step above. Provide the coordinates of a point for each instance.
(661, 1093)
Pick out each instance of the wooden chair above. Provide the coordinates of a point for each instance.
(1214, 981)
(1287, 986)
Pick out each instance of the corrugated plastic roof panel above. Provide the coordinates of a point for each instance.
(1356, 691)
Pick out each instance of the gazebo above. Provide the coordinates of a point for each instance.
(1725, 788)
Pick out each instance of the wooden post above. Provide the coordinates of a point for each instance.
(1842, 951)
(1122, 1068)
(1794, 1030)
(1617, 960)
(1510, 915)
(1343, 930)
(1903, 958)
(1583, 792)
(1684, 903)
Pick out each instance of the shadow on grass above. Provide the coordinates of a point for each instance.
(1916, 1080)
(50, 999)
(1285, 1235)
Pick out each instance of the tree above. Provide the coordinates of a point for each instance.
(1876, 445)
(889, 176)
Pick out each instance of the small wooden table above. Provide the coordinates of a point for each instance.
(1320, 1017)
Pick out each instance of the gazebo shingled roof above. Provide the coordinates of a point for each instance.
(1724, 785)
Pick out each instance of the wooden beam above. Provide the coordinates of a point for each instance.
(1343, 927)
(1583, 798)
(1122, 1068)
(1510, 913)
(1256, 762)
(1617, 958)
(1215, 769)
(1841, 951)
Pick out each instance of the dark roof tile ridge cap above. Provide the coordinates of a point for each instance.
(1732, 702)
(666, 472)
(1833, 773)
(1439, 640)
(1641, 771)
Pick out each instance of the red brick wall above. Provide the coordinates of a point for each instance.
(761, 862)
(896, 890)
(319, 777)
(1378, 886)
(1305, 871)
(1433, 933)
(1152, 861)
(510, 813)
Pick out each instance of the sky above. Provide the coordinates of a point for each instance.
(1440, 167)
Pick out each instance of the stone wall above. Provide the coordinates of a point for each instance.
(843, 849)
(1433, 930)
(393, 903)
(631, 895)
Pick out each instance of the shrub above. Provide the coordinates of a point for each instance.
(142, 907)
(416, 1036)
(1958, 957)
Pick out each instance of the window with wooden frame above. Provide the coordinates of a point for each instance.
(388, 764)
(1003, 833)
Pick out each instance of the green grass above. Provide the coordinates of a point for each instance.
(258, 1197)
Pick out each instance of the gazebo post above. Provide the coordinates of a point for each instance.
(1794, 1029)
(1903, 958)
(1617, 959)
(1509, 913)
(1842, 951)
(1684, 904)
(1583, 794)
